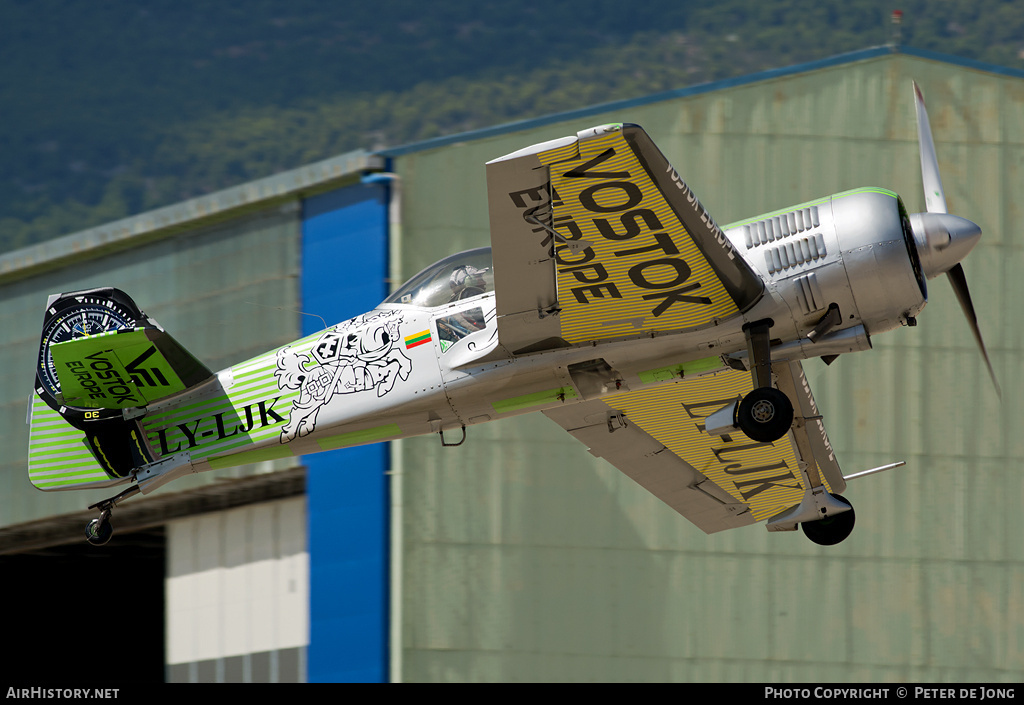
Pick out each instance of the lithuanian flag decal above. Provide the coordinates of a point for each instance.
(411, 341)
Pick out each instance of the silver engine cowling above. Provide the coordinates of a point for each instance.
(881, 257)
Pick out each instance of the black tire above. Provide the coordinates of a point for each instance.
(98, 532)
(831, 530)
(765, 415)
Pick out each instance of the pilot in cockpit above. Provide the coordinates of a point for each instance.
(466, 281)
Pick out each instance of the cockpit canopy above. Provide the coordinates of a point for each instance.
(461, 276)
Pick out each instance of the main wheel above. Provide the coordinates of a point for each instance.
(98, 532)
(830, 530)
(765, 414)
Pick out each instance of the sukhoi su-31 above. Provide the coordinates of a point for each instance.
(609, 300)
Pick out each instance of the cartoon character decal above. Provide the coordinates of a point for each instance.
(360, 355)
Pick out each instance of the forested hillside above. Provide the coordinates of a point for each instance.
(114, 108)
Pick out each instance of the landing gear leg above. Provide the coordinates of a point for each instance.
(98, 531)
(765, 414)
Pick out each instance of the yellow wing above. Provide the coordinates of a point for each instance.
(657, 437)
(597, 238)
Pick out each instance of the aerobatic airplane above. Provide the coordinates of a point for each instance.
(609, 300)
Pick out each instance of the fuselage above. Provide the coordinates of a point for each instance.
(429, 359)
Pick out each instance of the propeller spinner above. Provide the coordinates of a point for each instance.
(943, 240)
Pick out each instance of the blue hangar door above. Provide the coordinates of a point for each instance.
(344, 273)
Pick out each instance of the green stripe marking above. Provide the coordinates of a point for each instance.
(686, 369)
(354, 438)
(818, 202)
(527, 401)
(250, 456)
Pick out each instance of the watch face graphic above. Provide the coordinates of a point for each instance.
(76, 317)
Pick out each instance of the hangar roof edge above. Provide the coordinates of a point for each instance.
(307, 179)
(318, 176)
(837, 60)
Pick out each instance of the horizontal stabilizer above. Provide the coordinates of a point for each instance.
(124, 368)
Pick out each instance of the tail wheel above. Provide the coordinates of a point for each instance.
(830, 530)
(98, 532)
(765, 415)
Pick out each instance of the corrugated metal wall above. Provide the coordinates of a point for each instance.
(220, 272)
(227, 274)
(525, 559)
(237, 595)
(206, 286)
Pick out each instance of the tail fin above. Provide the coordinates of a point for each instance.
(101, 362)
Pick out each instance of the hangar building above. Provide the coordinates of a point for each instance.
(517, 556)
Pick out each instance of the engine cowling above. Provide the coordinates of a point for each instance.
(881, 259)
(856, 250)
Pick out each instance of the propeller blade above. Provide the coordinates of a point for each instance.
(959, 282)
(934, 196)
